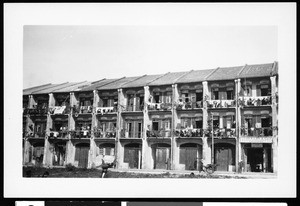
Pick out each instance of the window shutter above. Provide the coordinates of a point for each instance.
(126, 155)
(258, 92)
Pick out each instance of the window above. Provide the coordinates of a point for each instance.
(265, 91)
(199, 96)
(216, 122)
(229, 94)
(265, 122)
(247, 91)
(105, 102)
(215, 93)
(156, 97)
(155, 126)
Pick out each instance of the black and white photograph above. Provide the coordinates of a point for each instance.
(147, 107)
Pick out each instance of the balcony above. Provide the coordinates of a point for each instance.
(257, 132)
(255, 101)
(189, 132)
(159, 133)
(159, 106)
(82, 109)
(105, 110)
(59, 134)
(35, 111)
(35, 134)
(224, 133)
(220, 103)
(107, 134)
(80, 134)
(56, 110)
(131, 134)
(189, 105)
(136, 108)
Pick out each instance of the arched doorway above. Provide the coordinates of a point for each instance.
(36, 153)
(224, 156)
(132, 155)
(161, 153)
(190, 155)
(82, 154)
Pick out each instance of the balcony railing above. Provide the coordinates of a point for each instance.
(189, 105)
(135, 108)
(36, 111)
(59, 134)
(159, 133)
(35, 134)
(189, 132)
(255, 101)
(220, 103)
(257, 132)
(107, 134)
(160, 106)
(105, 110)
(224, 133)
(59, 110)
(78, 134)
(130, 134)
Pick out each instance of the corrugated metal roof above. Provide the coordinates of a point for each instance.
(41, 90)
(141, 82)
(71, 88)
(257, 70)
(195, 76)
(51, 89)
(117, 84)
(225, 73)
(96, 84)
(32, 89)
(169, 78)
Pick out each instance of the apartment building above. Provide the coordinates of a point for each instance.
(172, 121)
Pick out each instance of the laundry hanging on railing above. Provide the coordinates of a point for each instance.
(103, 110)
(59, 109)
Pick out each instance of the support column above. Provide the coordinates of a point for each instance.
(238, 154)
(206, 150)
(274, 93)
(119, 150)
(93, 145)
(146, 149)
(175, 121)
(48, 155)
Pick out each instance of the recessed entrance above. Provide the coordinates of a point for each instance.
(224, 156)
(82, 154)
(190, 155)
(161, 154)
(132, 155)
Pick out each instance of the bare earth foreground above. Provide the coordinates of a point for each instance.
(37, 172)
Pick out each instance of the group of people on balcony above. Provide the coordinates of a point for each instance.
(255, 101)
(37, 109)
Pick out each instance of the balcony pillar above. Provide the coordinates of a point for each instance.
(119, 150)
(146, 149)
(206, 151)
(175, 121)
(32, 102)
(238, 121)
(274, 154)
(51, 100)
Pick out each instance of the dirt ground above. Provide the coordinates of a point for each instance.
(37, 172)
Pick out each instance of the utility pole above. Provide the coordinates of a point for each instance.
(212, 139)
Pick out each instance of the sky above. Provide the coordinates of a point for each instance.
(57, 54)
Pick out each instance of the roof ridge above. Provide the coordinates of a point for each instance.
(133, 80)
(69, 85)
(111, 82)
(98, 81)
(242, 70)
(53, 86)
(37, 86)
(182, 76)
(158, 78)
(213, 71)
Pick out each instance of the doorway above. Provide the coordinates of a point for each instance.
(82, 154)
(224, 156)
(161, 153)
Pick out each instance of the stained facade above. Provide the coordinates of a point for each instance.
(172, 121)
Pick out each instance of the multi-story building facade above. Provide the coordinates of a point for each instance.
(175, 121)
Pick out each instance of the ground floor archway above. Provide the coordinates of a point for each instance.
(133, 155)
(82, 154)
(224, 156)
(161, 153)
(190, 155)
